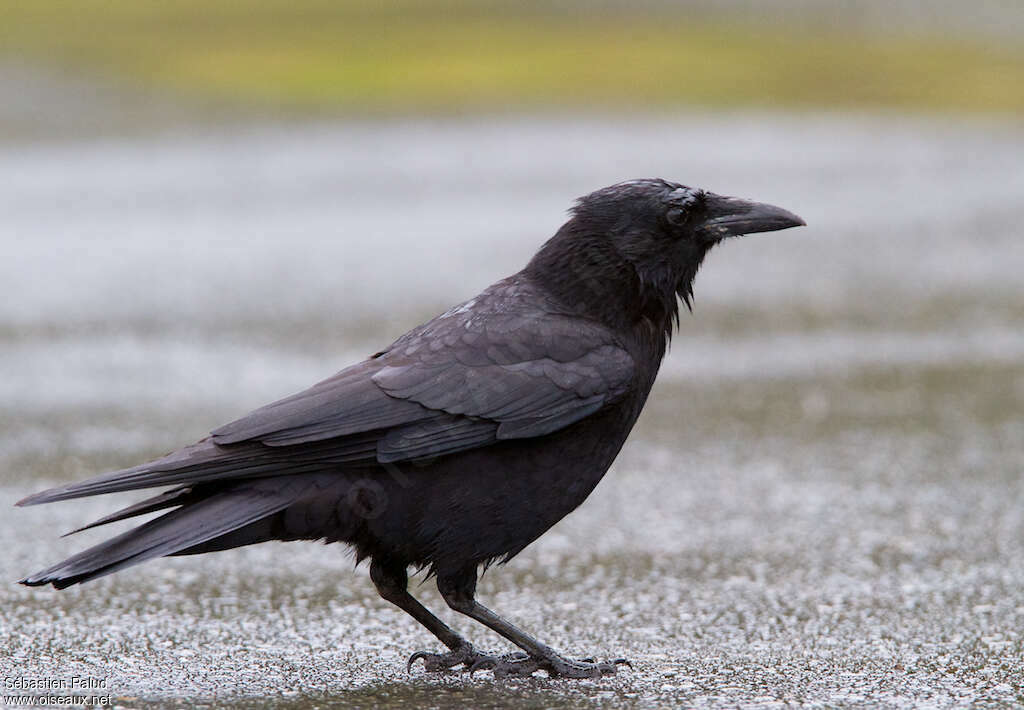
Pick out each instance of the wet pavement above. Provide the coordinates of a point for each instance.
(823, 503)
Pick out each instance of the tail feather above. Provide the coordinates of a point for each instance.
(167, 499)
(188, 526)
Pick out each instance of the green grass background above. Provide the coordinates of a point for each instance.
(443, 57)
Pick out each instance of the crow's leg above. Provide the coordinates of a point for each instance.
(459, 592)
(392, 584)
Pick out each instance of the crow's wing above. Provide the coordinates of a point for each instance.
(344, 404)
(461, 381)
(208, 463)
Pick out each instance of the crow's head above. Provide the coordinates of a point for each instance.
(638, 244)
(664, 229)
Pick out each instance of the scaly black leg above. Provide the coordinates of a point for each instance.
(392, 584)
(459, 592)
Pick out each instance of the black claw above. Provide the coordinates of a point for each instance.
(415, 657)
(437, 662)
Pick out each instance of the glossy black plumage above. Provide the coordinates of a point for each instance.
(464, 440)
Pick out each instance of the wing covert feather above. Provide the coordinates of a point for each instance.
(531, 380)
(486, 370)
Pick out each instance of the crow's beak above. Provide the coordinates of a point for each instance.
(731, 217)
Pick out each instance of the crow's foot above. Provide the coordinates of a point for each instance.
(463, 656)
(516, 664)
(521, 664)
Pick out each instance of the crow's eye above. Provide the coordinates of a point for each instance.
(676, 216)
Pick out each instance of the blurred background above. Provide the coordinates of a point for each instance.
(205, 206)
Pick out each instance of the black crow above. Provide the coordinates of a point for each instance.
(461, 442)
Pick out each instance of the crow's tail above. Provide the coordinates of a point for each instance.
(197, 523)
